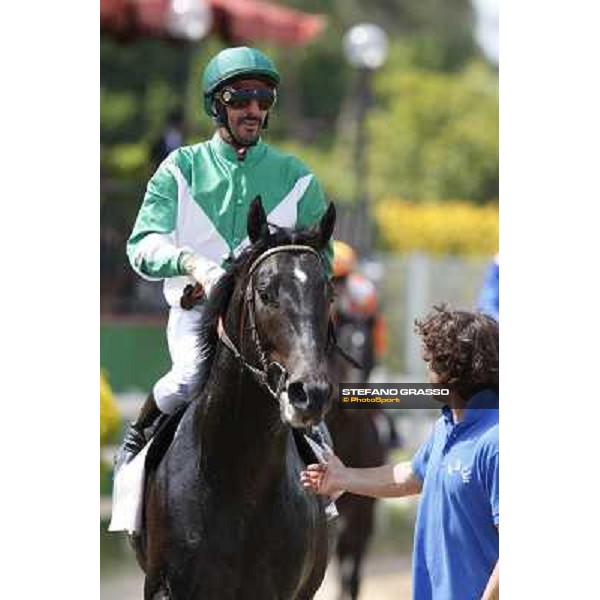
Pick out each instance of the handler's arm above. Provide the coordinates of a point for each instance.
(492, 589)
(388, 481)
(151, 247)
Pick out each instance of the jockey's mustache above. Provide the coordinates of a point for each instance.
(249, 120)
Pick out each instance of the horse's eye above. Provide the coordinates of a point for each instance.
(267, 296)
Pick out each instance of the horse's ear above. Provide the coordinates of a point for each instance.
(257, 221)
(326, 225)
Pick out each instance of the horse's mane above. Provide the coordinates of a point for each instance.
(218, 301)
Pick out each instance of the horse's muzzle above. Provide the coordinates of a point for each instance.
(307, 401)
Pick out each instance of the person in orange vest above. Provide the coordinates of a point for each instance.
(356, 310)
(357, 303)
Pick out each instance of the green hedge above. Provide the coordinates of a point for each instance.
(133, 354)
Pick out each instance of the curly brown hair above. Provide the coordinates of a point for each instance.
(461, 347)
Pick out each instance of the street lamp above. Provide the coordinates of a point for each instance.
(190, 20)
(365, 46)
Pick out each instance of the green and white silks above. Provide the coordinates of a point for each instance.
(198, 201)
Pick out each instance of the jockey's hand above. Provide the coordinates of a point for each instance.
(202, 270)
(327, 478)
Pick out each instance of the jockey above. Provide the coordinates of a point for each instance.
(357, 301)
(194, 213)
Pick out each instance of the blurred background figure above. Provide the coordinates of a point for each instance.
(171, 138)
(488, 301)
(360, 324)
(362, 437)
(361, 329)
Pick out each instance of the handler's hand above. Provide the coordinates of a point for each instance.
(327, 479)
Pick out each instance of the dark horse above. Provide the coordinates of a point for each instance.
(358, 442)
(225, 515)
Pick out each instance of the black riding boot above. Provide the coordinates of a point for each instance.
(135, 438)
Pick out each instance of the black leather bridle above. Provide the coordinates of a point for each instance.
(269, 369)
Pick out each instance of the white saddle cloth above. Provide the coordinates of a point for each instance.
(128, 494)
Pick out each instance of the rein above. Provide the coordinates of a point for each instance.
(261, 375)
(332, 341)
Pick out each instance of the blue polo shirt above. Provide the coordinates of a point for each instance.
(456, 539)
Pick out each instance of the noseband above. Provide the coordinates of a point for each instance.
(268, 367)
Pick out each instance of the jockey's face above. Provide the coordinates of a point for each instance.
(246, 123)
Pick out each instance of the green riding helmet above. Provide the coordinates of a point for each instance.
(233, 63)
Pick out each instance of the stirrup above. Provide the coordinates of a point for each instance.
(133, 442)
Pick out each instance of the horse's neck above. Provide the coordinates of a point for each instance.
(240, 430)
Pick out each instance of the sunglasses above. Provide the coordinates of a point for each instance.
(241, 98)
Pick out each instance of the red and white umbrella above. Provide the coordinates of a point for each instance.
(235, 21)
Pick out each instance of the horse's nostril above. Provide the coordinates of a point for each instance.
(297, 395)
(309, 395)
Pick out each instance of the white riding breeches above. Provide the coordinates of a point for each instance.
(173, 390)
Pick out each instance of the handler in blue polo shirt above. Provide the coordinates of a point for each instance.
(456, 470)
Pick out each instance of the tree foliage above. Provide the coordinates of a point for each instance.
(435, 135)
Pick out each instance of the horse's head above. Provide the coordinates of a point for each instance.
(288, 298)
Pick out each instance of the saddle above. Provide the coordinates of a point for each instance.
(131, 478)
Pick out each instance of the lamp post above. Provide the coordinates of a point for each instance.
(365, 47)
(190, 20)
